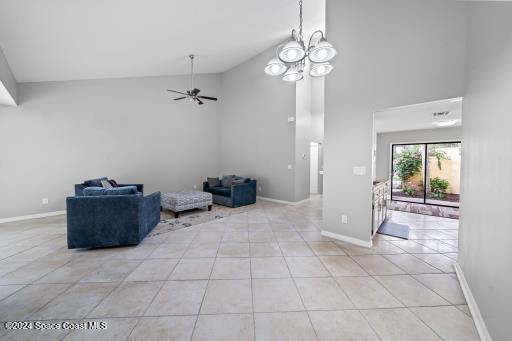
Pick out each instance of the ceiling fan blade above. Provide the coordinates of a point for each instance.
(195, 91)
(207, 97)
(199, 101)
(178, 92)
(176, 99)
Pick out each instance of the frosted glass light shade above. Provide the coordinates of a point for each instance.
(275, 67)
(320, 70)
(292, 52)
(322, 52)
(293, 75)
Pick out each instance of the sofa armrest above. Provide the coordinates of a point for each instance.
(205, 186)
(140, 187)
(108, 220)
(149, 213)
(244, 193)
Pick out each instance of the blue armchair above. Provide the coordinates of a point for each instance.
(110, 220)
(238, 194)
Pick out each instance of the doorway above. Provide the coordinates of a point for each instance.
(314, 168)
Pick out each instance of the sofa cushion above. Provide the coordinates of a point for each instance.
(94, 182)
(213, 182)
(219, 190)
(227, 180)
(240, 180)
(94, 191)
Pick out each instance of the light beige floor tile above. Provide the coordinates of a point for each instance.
(235, 237)
(30, 272)
(452, 255)
(322, 294)
(366, 292)
(326, 249)
(71, 272)
(169, 250)
(227, 296)
(75, 303)
(231, 268)
(342, 266)
(288, 236)
(117, 329)
(410, 292)
(348, 325)
(178, 298)
(448, 322)
(208, 237)
(354, 250)
(261, 237)
(398, 324)
(412, 246)
(192, 268)
(231, 327)
(265, 250)
(234, 250)
(313, 236)
(269, 267)
(287, 326)
(7, 290)
(114, 270)
(141, 251)
(295, 249)
(176, 328)
(412, 265)
(384, 247)
(465, 309)
(7, 265)
(28, 300)
(306, 267)
(445, 285)
(272, 295)
(438, 261)
(36, 334)
(153, 270)
(129, 299)
(202, 250)
(180, 237)
(377, 265)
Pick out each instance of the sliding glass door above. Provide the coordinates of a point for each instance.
(427, 173)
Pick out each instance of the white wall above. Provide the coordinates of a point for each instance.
(8, 84)
(391, 53)
(128, 129)
(486, 218)
(384, 141)
(303, 129)
(256, 138)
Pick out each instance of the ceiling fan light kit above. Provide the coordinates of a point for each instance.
(192, 95)
(290, 57)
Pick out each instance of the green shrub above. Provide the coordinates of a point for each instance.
(408, 191)
(407, 163)
(438, 187)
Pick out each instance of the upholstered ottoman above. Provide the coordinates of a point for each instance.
(182, 201)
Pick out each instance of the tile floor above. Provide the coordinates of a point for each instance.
(265, 274)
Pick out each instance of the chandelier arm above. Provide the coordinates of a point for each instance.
(312, 35)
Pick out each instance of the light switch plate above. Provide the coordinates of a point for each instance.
(359, 170)
(291, 119)
(44, 201)
(344, 219)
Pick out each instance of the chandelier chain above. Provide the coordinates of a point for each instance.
(300, 17)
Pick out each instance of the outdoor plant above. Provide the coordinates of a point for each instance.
(438, 187)
(407, 163)
(410, 192)
(439, 155)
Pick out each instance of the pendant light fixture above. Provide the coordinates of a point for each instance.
(290, 57)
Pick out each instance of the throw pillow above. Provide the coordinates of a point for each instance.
(95, 191)
(113, 183)
(227, 180)
(106, 184)
(94, 182)
(238, 181)
(213, 182)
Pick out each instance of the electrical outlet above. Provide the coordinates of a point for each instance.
(344, 219)
(195, 186)
(44, 201)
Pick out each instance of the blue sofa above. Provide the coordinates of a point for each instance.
(238, 194)
(110, 220)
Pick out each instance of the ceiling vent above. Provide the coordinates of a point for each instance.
(440, 114)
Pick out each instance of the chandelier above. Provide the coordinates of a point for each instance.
(290, 57)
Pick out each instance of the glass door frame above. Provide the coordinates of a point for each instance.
(424, 169)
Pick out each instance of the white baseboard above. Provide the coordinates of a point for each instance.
(32, 216)
(355, 241)
(293, 203)
(473, 307)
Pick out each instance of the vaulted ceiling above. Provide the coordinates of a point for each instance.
(72, 39)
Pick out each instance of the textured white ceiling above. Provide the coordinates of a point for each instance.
(77, 39)
(417, 116)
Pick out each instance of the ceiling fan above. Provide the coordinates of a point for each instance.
(192, 95)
